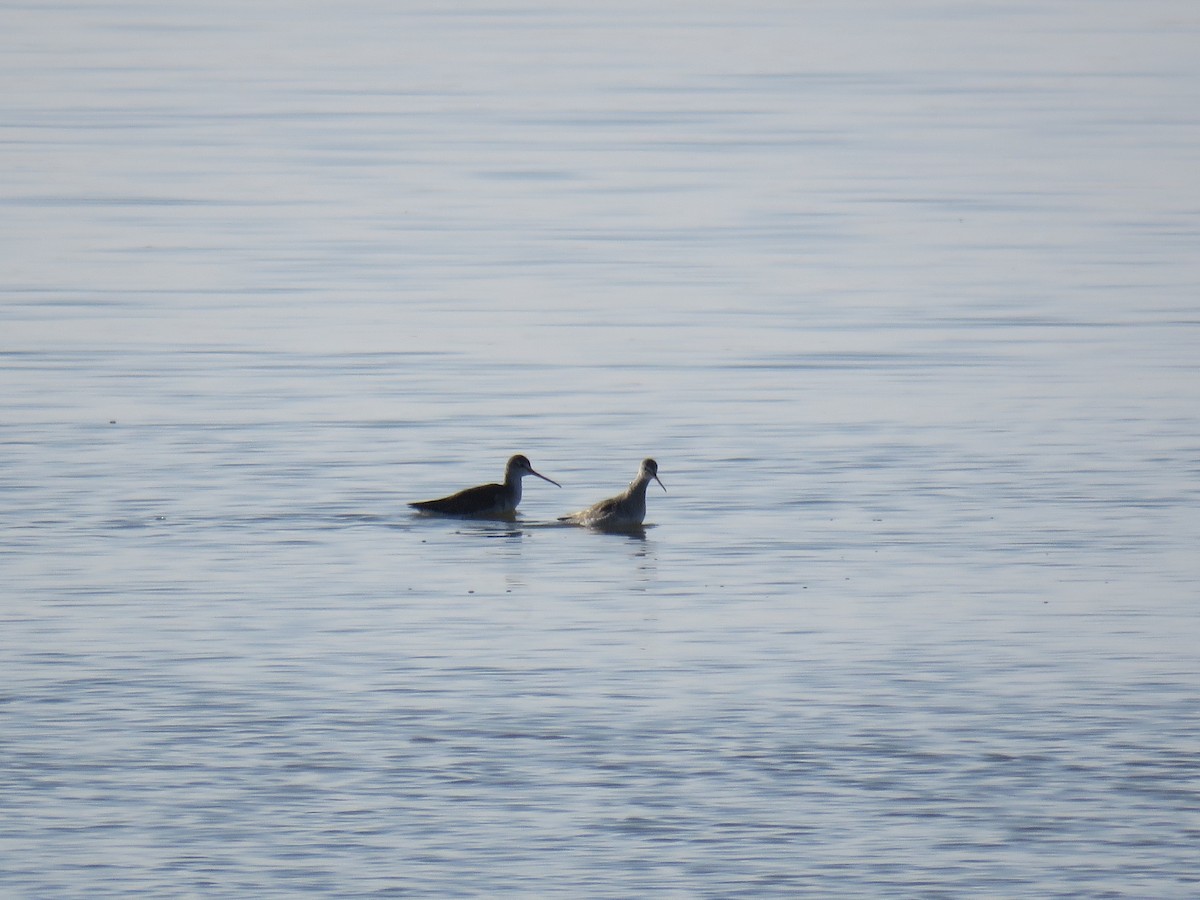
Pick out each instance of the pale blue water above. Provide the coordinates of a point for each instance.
(904, 299)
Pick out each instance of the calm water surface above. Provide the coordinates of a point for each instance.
(902, 297)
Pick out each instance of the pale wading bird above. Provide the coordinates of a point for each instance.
(623, 512)
(487, 501)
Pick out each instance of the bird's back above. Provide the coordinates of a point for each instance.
(486, 499)
(615, 511)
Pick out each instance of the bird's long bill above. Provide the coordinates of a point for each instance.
(660, 484)
(543, 477)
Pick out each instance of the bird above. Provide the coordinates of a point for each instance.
(625, 511)
(494, 501)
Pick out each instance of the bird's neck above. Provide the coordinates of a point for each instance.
(512, 483)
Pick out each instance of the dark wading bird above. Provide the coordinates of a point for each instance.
(487, 501)
(623, 512)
